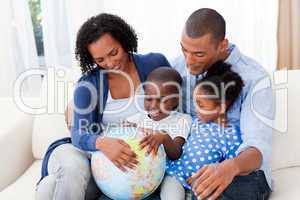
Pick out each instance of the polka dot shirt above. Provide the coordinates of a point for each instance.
(208, 143)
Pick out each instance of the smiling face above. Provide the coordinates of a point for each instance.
(200, 53)
(108, 53)
(159, 100)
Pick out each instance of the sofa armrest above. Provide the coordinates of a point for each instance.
(15, 143)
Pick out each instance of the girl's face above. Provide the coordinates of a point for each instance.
(108, 53)
(207, 109)
(159, 100)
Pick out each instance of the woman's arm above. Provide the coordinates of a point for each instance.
(85, 128)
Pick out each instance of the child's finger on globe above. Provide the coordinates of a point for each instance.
(145, 142)
(155, 150)
(144, 139)
(150, 148)
(153, 145)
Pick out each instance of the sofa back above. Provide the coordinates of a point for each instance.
(286, 142)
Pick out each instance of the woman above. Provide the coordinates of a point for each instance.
(104, 42)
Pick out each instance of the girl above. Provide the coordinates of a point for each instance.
(212, 138)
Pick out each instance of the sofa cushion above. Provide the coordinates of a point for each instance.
(286, 143)
(47, 128)
(286, 184)
(24, 187)
(57, 91)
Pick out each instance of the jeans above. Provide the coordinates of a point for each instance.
(251, 187)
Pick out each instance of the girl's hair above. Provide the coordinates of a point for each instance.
(220, 79)
(97, 26)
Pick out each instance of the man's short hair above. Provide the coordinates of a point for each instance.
(204, 21)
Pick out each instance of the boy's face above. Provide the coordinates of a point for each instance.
(159, 100)
(207, 109)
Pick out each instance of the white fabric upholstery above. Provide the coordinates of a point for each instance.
(15, 142)
(286, 151)
(286, 184)
(46, 129)
(24, 187)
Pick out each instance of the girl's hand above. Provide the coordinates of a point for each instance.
(152, 140)
(118, 152)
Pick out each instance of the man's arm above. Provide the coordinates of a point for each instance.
(247, 161)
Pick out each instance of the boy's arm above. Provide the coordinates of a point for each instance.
(173, 147)
(154, 139)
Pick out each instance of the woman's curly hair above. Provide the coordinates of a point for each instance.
(97, 26)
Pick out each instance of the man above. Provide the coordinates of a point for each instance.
(247, 176)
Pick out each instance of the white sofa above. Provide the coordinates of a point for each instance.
(24, 139)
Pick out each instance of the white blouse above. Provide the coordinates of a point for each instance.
(118, 110)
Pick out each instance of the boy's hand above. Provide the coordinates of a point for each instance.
(152, 140)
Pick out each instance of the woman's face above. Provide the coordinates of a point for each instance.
(108, 53)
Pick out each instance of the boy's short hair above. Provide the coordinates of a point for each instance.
(165, 74)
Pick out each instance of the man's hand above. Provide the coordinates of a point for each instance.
(211, 180)
(152, 140)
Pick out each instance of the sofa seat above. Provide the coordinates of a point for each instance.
(286, 184)
(24, 187)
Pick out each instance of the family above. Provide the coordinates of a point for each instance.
(200, 108)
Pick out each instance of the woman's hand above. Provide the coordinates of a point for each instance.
(118, 152)
(211, 180)
(152, 140)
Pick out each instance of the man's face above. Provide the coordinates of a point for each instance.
(200, 53)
